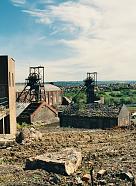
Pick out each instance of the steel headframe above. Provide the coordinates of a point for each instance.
(34, 86)
(90, 83)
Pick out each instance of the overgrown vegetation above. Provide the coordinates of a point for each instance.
(20, 126)
(113, 94)
(124, 96)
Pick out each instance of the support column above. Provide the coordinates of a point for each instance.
(3, 125)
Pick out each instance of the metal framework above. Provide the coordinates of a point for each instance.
(34, 90)
(90, 83)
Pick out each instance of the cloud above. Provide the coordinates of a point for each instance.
(41, 16)
(74, 14)
(104, 37)
(18, 2)
(77, 14)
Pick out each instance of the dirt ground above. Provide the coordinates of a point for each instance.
(111, 150)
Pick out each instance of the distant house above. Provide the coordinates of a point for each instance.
(95, 116)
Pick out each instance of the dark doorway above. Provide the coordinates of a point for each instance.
(7, 124)
(1, 126)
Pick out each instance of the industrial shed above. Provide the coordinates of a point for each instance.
(95, 117)
(53, 94)
(36, 112)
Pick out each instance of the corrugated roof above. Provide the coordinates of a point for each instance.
(93, 110)
(48, 87)
(20, 107)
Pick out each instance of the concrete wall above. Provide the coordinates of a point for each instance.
(87, 122)
(12, 96)
(124, 116)
(3, 76)
(7, 89)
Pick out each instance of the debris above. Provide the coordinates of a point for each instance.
(101, 173)
(78, 181)
(126, 175)
(111, 184)
(102, 182)
(86, 178)
(129, 176)
(28, 135)
(64, 162)
(119, 142)
(55, 179)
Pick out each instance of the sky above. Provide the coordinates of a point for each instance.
(70, 37)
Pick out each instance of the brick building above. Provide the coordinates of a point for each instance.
(53, 94)
(95, 116)
(43, 111)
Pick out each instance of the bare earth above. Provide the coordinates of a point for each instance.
(112, 150)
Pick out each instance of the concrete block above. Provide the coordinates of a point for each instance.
(64, 162)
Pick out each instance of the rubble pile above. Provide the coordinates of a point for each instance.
(108, 158)
(27, 135)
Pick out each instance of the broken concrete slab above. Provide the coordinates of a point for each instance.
(64, 162)
(101, 173)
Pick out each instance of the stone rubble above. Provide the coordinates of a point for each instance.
(110, 150)
(27, 135)
(101, 173)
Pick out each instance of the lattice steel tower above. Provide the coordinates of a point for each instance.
(34, 87)
(90, 83)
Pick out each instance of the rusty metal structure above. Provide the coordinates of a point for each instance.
(90, 83)
(34, 90)
(89, 87)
